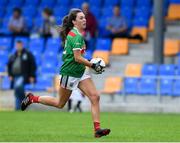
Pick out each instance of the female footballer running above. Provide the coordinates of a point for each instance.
(73, 72)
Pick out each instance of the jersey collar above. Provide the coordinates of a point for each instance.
(77, 30)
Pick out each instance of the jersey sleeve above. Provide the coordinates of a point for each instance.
(77, 42)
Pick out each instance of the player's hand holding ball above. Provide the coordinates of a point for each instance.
(98, 65)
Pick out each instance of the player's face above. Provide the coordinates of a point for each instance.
(85, 8)
(19, 46)
(80, 20)
(16, 14)
(116, 11)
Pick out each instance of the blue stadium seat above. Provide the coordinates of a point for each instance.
(64, 3)
(60, 11)
(140, 22)
(43, 6)
(174, 1)
(37, 22)
(37, 57)
(24, 40)
(148, 86)
(96, 11)
(88, 54)
(176, 88)
(6, 83)
(9, 12)
(78, 2)
(10, 7)
(178, 70)
(30, 87)
(4, 28)
(2, 12)
(53, 44)
(2, 67)
(3, 53)
(60, 54)
(150, 70)
(129, 24)
(29, 23)
(127, 3)
(131, 85)
(143, 12)
(50, 55)
(16, 2)
(107, 12)
(29, 11)
(43, 82)
(166, 86)
(102, 27)
(146, 3)
(36, 44)
(59, 19)
(110, 2)
(167, 70)
(127, 12)
(98, 3)
(60, 62)
(49, 66)
(49, 3)
(75, 5)
(103, 44)
(3, 2)
(178, 59)
(3, 56)
(32, 2)
(5, 43)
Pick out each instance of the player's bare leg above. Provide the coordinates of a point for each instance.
(58, 102)
(88, 88)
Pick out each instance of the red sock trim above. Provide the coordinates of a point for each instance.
(96, 126)
(34, 99)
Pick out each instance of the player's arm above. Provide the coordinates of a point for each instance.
(78, 58)
(77, 44)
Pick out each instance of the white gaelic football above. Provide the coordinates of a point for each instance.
(96, 60)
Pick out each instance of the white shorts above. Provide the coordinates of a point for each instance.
(71, 83)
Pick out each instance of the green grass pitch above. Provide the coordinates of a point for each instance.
(60, 126)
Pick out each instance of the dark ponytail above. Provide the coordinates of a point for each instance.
(67, 24)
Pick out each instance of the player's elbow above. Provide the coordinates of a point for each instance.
(77, 59)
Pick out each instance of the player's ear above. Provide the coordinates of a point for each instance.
(74, 22)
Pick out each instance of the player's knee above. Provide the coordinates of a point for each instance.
(95, 97)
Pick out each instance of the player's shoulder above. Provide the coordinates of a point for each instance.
(74, 33)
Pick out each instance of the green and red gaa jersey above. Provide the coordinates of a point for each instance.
(74, 41)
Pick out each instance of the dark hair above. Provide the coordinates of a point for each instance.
(116, 5)
(19, 41)
(16, 9)
(67, 24)
(48, 11)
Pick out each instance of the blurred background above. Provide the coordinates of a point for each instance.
(138, 39)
